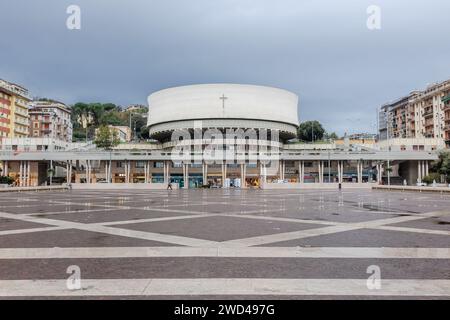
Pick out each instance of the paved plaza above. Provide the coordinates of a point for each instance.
(195, 244)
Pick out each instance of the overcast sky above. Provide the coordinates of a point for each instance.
(321, 50)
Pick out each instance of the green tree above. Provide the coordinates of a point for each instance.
(331, 136)
(114, 118)
(442, 165)
(138, 124)
(144, 132)
(310, 131)
(106, 137)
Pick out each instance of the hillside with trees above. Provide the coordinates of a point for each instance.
(87, 117)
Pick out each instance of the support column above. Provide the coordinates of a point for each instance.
(360, 172)
(381, 172)
(130, 177)
(378, 173)
(281, 169)
(88, 171)
(166, 172)
(6, 169)
(262, 172)
(322, 170)
(125, 168)
(359, 164)
(106, 171)
(29, 174)
(419, 171)
(70, 172)
(67, 172)
(339, 171)
(423, 169)
(149, 178)
(244, 181)
(243, 174)
(319, 165)
(205, 173)
(20, 173)
(300, 171)
(109, 171)
(186, 176)
(427, 168)
(145, 172)
(303, 172)
(25, 170)
(24, 174)
(224, 174)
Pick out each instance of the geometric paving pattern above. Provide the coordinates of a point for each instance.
(297, 244)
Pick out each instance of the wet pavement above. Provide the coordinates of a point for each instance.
(296, 244)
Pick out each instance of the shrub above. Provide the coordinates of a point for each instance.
(6, 180)
(432, 177)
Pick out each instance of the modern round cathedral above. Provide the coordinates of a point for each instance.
(223, 106)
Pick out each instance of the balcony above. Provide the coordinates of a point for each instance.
(21, 103)
(21, 112)
(427, 113)
(20, 121)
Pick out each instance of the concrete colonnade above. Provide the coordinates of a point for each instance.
(24, 174)
(422, 170)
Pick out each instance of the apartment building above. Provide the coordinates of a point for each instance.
(123, 132)
(446, 102)
(429, 110)
(50, 119)
(397, 119)
(421, 114)
(14, 118)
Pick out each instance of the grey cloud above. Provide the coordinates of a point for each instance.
(319, 49)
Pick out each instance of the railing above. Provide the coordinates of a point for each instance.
(427, 113)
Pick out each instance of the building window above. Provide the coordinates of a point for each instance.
(158, 164)
(140, 164)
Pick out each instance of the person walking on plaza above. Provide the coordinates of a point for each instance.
(169, 186)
